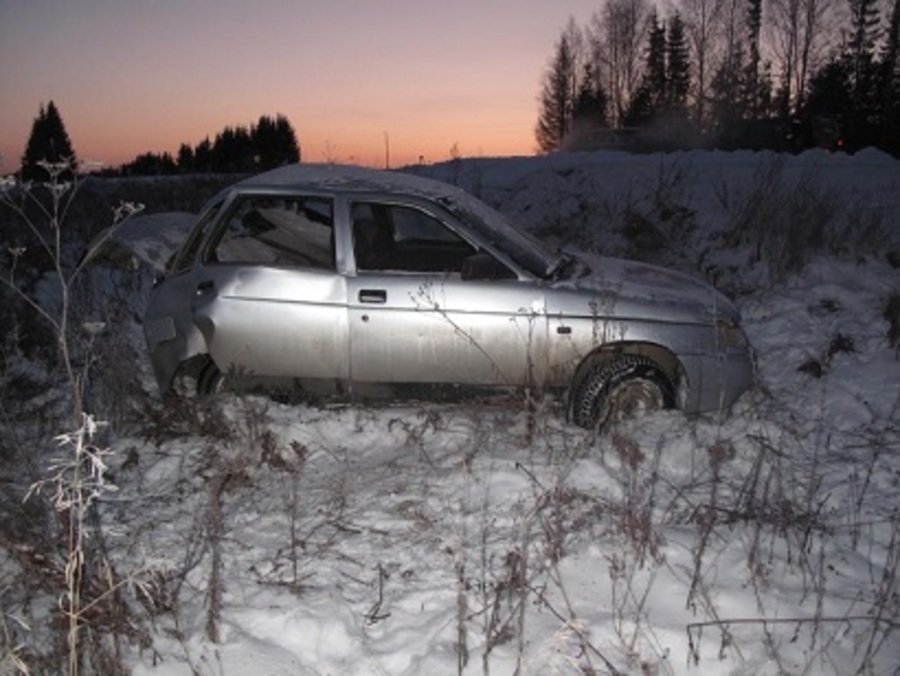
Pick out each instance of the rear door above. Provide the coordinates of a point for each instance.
(268, 298)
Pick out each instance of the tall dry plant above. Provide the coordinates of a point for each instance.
(77, 478)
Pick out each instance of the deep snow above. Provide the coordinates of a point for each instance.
(481, 537)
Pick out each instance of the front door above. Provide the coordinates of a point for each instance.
(413, 319)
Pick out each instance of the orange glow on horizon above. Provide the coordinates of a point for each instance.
(370, 83)
(112, 144)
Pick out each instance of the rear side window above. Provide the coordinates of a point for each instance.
(185, 258)
(278, 231)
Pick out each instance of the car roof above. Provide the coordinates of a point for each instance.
(348, 178)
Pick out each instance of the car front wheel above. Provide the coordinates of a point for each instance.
(620, 388)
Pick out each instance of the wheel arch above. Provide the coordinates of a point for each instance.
(667, 360)
(200, 370)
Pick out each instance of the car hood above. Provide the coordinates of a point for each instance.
(150, 240)
(625, 288)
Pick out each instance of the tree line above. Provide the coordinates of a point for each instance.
(787, 75)
(271, 142)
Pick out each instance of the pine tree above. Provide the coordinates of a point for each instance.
(591, 104)
(232, 151)
(862, 120)
(590, 111)
(203, 162)
(752, 74)
(265, 143)
(186, 159)
(558, 92)
(864, 31)
(889, 76)
(274, 142)
(890, 60)
(727, 110)
(656, 79)
(827, 104)
(288, 144)
(151, 164)
(48, 142)
(649, 101)
(641, 109)
(678, 67)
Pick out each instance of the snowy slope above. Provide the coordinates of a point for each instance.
(487, 538)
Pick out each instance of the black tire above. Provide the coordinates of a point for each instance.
(210, 380)
(618, 388)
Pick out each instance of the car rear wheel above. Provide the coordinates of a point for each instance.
(198, 377)
(620, 388)
(210, 380)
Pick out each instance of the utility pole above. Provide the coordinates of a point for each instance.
(387, 151)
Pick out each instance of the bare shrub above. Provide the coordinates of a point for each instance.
(794, 522)
(859, 229)
(11, 661)
(660, 225)
(93, 614)
(577, 225)
(817, 367)
(781, 221)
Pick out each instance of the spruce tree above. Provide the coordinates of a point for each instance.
(203, 161)
(728, 109)
(186, 163)
(656, 79)
(288, 145)
(48, 142)
(751, 75)
(649, 101)
(591, 103)
(557, 96)
(274, 142)
(232, 151)
(862, 120)
(825, 109)
(889, 76)
(590, 111)
(641, 108)
(265, 143)
(678, 67)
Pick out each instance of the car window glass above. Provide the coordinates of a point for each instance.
(185, 258)
(400, 238)
(279, 231)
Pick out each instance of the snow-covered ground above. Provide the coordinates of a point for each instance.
(485, 538)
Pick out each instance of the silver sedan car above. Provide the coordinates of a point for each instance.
(346, 277)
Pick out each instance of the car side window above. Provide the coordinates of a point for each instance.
(185, 258)
(278, 231)
(401, 238)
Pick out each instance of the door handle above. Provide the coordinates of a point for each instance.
(205, 287)
(378, 296)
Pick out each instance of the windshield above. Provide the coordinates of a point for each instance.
(524, 249)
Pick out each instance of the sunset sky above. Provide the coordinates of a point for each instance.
(353, 76)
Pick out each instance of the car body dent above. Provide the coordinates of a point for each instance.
(171, 334)
(278, 321)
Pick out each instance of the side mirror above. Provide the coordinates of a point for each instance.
(483, 266)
